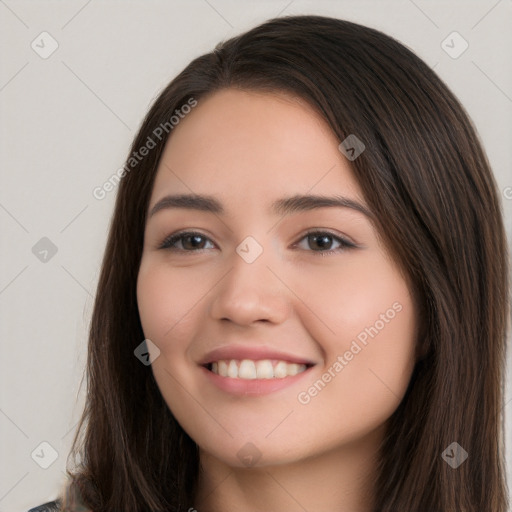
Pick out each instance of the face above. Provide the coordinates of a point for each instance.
(283, 329)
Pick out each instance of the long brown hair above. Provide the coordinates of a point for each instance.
(425, 176)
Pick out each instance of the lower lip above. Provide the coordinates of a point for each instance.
(253, 387)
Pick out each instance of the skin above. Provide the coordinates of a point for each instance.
(248, 149)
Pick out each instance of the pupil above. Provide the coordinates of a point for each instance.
(324, 240)
(196, 240)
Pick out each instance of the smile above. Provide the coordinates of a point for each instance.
(249, 369)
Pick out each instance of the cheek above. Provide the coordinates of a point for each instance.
(364, 291)
(370, 376)
(166, 305)
(368, 333)
(169, 319)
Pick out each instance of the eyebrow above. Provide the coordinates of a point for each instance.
(283, 206)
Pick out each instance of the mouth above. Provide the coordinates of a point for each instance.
(254, 370)
(249, 369)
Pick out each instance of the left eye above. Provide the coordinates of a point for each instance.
(324, 240)
(194, 241)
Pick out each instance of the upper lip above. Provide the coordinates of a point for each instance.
(255, 353)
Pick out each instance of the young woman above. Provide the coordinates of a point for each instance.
(303, 298)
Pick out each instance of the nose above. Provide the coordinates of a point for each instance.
(251, 292)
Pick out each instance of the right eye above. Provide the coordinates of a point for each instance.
(191, 241)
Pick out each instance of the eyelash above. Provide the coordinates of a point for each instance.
(345, 244)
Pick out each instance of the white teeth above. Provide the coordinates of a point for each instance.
(223, 368)
(263, 369)
(247, 369)
(232, 369)
(293, 369)
(281, 370)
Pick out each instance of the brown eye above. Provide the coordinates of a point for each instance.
(323, 241)
(190, 242)
(320, 241)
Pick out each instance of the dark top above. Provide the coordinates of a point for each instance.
(51, 506)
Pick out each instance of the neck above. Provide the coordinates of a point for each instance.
(341, 479)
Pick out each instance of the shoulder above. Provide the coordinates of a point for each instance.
(51, 506)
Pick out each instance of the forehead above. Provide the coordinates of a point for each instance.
(254, 146)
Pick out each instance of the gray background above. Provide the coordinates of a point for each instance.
(66, 124)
